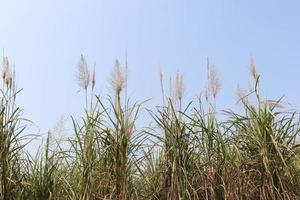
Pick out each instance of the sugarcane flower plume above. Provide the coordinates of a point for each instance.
(83, 75)
(253, 70)
(214, 82)
(5, 67)
(118, 80)
(179, 86)
(94, 77)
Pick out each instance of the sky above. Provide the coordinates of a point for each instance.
(46, 38)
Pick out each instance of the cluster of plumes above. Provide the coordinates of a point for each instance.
(178, 93)
(243, 94)
(83, 76)
(243, 97)
(8, 77)
(119, 78)
(214, 81)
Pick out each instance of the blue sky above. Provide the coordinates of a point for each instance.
(45, 40)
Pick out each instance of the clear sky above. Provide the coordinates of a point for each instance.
(46, 37)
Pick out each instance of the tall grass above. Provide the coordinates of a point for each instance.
(187, 153)
(11, 145)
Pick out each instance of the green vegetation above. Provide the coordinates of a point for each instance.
(186, 153)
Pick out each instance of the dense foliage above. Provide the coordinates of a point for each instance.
(186, 153)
